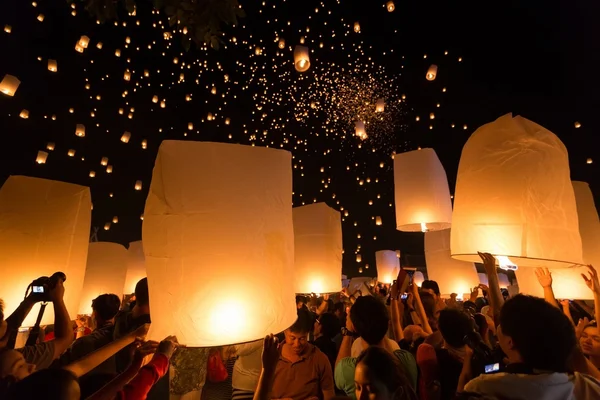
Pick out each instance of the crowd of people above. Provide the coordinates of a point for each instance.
(396, 342)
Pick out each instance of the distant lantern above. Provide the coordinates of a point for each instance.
(84, 41)
(52, 65)
(431, 72)
(398, 253)
(109, 169)
(79, 48)
(227, 121)
(104, 273)
(7, 28)
(138, 185)
(388, 265)
(24, 114)
(257, 51)
(107, 226)
(317, 249)
(163, 104)
(418, 278)
(144, 144)
(360, 270)
(431, 116)
(213, 90)
(301, 58)
(210, 117)
(390, 6)
(104, 161)
(44, 228)
(50, 146)
(357, 27)
(155, 99)
(380, 105)
(125, 137)
(520, 162)
(118, 52)
(421, 192)
(99, 45)
(92, 174)
(190, 126)
(71, 153)
(146, 73)
(359, 129)
(127, 75)
(281, 43)
(577, 124)
(358, 258)
(9, 85)
(589, 161)
(115, 220)
(41, 17)
(378, 221)
(136, 266)
(251, 199)
(80, 130)
(41, 157)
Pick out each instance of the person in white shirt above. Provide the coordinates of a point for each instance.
(246, 370)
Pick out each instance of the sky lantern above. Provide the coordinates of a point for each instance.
(388, 265)
(99, 45)
(453, 276)
(41, 17)
(50, 146)
(80, 130)
(125, 137)
(44, 228)
(104, 273)
(24, 114)
(281, 43)
(41, 157)
(589, 224)
(9, 85)
(421, 192)
(155, 99)
(138, 185)
(359, 129)
(104, 161)
(418, 278)
(380, 105)
(136, 266)
(52, 65)
(301, 58)
(528, 216)
(84, 41)
(390, 6)
(431, 72)
(232, 227)
(127, 75)
(317, 248)
(357, 27)
(378, 221)
(7, 28)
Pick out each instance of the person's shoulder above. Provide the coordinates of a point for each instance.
(404, 355)
(476, 385)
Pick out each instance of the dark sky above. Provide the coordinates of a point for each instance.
(534, 58)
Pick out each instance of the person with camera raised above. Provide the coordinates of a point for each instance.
(41, 355)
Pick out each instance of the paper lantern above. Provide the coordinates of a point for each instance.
(144, 144)
(163, 104)
(567, 283)
(92, 174)
(115, 220)
(7, 28)
(589, 161)
(421, 192)
(380, 105)
(356, 27)
(452, 276)
(227, 121)
(84, 41)
(378, 221)
(359, 129)
(318, 249)
(136, 266)
(99, 45)
(301, 58)
(41, 17)
(503, 280)
(80, 130)
(138, 185)
(125, 137)
(107, 226)
(388, 265)
(44, 228)
(52, 66)
(109, 169)
(232, 227)
(589, 225)
(50, 146)
(78, 48)
(431, 72)
(483, 278)
(118, 52)
(418, 278)
(281, 43)
(528, 212)
(24, 114)
(127, 76)
(358, 258)
(155, 99)
(190, 126)
(71, 153)
(390, 6)
(104, 274)
(41, 157)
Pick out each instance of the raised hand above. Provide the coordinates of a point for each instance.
(592, 281)
(489, 262)
(270, 353)
(544, 277)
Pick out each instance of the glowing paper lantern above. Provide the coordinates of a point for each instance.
(44, 228)
(155, 99)
(52, 65)
(358, 258)
(390, 6)
(452, 276)
(125, 137)
(567, 283)
(104, 161)
(589, 225)
(378, 221)
(24, 114)
(84, 41)
(41, 157)
(138, 185)
(421, 192)
(7, 28)
(9, 85)
(388, 265)
(418, 278)
(109, 169)
(136, 266)
(431, 72)
(41, 17)
(356, 27)
(359, 128)
(528, 213)
(503, 280)
(50, 146)
(281, 43)
(127, 76)
(233, 226)
(99, 45)
(301, 58)
(105, 273)
(71, 153)
(380, 105)
(318, 249)
(80, 130)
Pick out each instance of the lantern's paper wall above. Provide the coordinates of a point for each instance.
(503, 280)
(421, 192)
(44, 228)
(567, 283)
(318, 249)
(589, 225)
(452, 276)
(301, 58)
(136, 266)
(514, 197)
(361, 284)
(418, 278)
(483, 278)
(388, 265)
(219, 216)
(105, 273)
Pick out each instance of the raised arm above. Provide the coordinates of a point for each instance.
(421, 310)
(270, 358)
(396, 311)
(495, 295)
(593, 283)
(544, 277)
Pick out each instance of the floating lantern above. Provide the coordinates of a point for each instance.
(107, 226)
(257, 51)
(577, 124)
(144, 144)
(138, 185)
(227, 121)
(118, 53)
(84, 41)
(358, 258)
(52, 66)
(71, 153)
(359, 129)
(136, 266)
(589, 224)
(210, 117)
(356, 27)
(318, 249)
(24, 114)
(378, 221)
(190, 126)
(115, 220)
(41, 17)
(388, 265)
(380, 105)
(50, 146)
(163, 104)
(281, 43)
(99, 45)
(390, 6)
(92, 174)
(104, 161)
(44, 228)
(155, 99)
(421, 192)
(105, 273)
(41, 157)
(529, 214)
(109, 169)
(301, 58)
(127, 75)
(452, 276)
(418, 278)
(125, 137)
(241, 200)
(7, 28)
(9, 85)
(78, 48)
(431, 72)
(80, 130)
(589, 161)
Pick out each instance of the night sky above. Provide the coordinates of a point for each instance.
(534, 58)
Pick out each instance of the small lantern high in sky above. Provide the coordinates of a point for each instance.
(380, 105)
(421, 192)
(317, 248)
(301, 58)
(359, 129)
(528, 212)
(136, 266)
(431, 72)
(219, 215)
(388, 265)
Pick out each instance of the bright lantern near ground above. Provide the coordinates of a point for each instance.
(388, 265)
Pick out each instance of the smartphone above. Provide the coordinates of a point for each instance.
(37, 289)
(404, 296)
(492, 368)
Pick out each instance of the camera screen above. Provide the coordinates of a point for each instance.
(38, 289)
(492, 368)
(404, 296)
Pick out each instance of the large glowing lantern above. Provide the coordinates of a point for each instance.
(301, 58)
(105, 273)
(318, 249)
(418, 278)
(589, 225)
(136, 266)
(388, 265)
(431, 72)
(421, 192)
(567, 283)
(219, 215)
(452, 276)
(9, 85)
(514, 197)
(44, 228)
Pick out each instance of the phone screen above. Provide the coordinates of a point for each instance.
(38, 289)
(491, 368)
(404, 296)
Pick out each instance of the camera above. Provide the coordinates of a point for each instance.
(484, 361)
(40, 286)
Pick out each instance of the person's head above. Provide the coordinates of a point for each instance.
(105, 307)
(296, 336)
(13, 364)
(327, 325)
(590, 341)
(141, 293)
(370, 319)
(47, 384)
(536, 333)
(380, 376)
(413, 332)
(454, 325)
(432, 288)
(339, 309)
